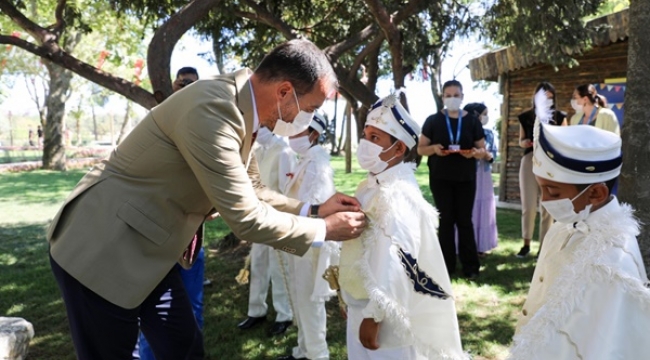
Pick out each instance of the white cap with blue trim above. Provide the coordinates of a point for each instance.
(389, 115)
(576, 154)
(318, 123)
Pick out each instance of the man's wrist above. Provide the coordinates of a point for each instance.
(313, 211)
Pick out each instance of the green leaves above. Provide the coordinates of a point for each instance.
(551, 31)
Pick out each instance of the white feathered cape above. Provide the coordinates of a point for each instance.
(588, 297)
(398, 266)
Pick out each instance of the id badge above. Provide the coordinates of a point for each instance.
(454, 147)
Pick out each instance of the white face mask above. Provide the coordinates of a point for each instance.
(264, 136)
(300, 122)
(562, 210)
(368, 156)
(484, 119)
(300, 144)
(452, 103)
(576, 106)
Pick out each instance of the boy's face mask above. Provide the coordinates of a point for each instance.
(368, 156)
(300, 144)
(562, 210)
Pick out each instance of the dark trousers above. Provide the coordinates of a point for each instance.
(455, 200)
(102, 330)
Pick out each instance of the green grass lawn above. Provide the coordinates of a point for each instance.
(487, 308)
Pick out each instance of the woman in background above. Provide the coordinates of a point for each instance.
(591, 109)
(528, 188)
(484, 215)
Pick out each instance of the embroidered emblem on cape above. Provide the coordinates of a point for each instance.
(422, 283)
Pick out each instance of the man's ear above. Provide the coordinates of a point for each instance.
(283, 89)
(598, 193)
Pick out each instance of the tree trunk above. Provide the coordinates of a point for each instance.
(125, 122)
(435, 73)
(53, 142)
(635, 174)
(218, 52)
(92, 110)
(333, 126)
(348, 139)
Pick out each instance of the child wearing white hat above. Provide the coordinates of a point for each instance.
(588, 298)
(393, 277)
(311, 181)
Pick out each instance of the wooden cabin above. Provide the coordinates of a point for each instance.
(604, 65)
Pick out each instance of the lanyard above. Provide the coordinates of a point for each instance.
(591, 116)
(455, 140)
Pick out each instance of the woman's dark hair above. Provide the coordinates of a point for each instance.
(589, 91)
(298, 61)
(475, 109)
(546, 86)
(451, 83)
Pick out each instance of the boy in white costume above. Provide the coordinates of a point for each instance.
(275, 160)
(588, 297)
(393, 277)
(311, 181)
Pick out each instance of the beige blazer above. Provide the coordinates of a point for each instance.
(128, 220)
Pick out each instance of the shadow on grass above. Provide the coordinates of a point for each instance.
(226, 304)
(29, 290)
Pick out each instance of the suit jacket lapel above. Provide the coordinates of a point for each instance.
(245, 105)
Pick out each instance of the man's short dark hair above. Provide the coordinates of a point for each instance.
(298, 61)
(188, 70)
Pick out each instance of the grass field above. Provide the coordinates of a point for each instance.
(487, 308)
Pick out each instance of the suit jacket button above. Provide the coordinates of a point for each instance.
(525, 312)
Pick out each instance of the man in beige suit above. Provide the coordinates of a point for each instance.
(127, 222)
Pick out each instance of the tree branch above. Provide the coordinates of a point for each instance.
(58, 15)
(163, 42)
(33, 29)
(370, 48)
(272, 20)
(411, 8)
(353, 86)
(335, 51)
(57, 56)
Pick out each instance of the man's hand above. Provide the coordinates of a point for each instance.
(369, 334)
(343, 226)
(337, 203)
(212, 216)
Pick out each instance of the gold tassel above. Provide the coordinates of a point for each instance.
(242, 277)
(331, 275)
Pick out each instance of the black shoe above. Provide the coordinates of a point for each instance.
(251, 322)
(525, 250)
(471, 276)
(290, 357)
(279, 327)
